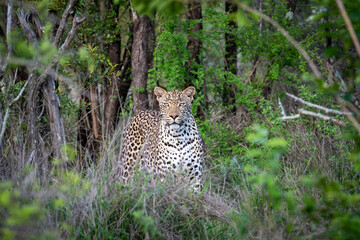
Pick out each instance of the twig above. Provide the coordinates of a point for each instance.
(289, 117)
(350, 106)
(19, 95)
(302, 51)
(7, 113)
(252, 71)
(76, 23)
(93, 113)
(349, 25)
(326, 110)
(283, 113)
(351, 118)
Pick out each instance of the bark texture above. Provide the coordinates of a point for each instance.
(52, 104)
(141, 59)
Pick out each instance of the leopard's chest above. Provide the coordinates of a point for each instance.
(177, 149)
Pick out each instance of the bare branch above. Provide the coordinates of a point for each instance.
(7, 113)
(309, 113)
(51, 68)
(252, 71)
(351, 118)
(326, 110)
(317, 115)
(349, 106)
(61, 28)
(19, 95)
(289, 117)
(76, 23)
(126, 60)
(349, 25)
(93, 113)
(322, 116)
(283, 113)
(2, 133)
(297, 45)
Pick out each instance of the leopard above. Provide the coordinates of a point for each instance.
(165, 142)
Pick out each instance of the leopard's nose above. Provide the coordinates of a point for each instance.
(174, 116)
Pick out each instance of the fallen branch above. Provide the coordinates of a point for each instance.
(326, 110)
(322, 116)
(283, 113)
(313, 114)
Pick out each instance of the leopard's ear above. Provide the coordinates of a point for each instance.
(159, 92)
(189, 92)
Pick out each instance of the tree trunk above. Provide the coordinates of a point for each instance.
(141, 56)
(292, 5)
(230, 59)
(45, 82)
(3, 63)
(112, 95)
(102, 13)
(56, 123)
(194, 43)
(33, 134)
(230, 44)
(118, 89)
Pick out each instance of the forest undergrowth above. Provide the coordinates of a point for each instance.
(282, 183)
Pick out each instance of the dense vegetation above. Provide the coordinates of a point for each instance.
(277, 105)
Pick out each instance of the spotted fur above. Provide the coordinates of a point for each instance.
(165, 142)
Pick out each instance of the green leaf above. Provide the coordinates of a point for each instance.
(241, 19)
(259, 136)
(25, 50)
(276, 143)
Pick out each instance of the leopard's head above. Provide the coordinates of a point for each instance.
(175, 106)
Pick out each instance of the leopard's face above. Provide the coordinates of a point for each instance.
(175, 106)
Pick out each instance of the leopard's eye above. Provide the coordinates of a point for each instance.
(166, 105)
(182, 104)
